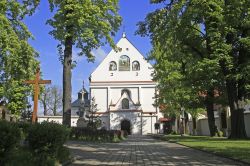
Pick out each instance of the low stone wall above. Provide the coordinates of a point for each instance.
(57, 119)
(202, 126)
(247, 123)
(203, 129)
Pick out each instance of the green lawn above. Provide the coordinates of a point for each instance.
(237, 149)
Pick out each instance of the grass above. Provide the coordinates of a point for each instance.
(236, 149)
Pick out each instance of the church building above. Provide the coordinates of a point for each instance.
(124, 91)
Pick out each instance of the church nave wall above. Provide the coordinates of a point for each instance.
(101, 98)
(147, 98)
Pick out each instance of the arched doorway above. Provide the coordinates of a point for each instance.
(126, 126)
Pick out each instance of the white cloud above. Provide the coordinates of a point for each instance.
(99, 54)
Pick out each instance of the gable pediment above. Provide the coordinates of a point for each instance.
(126, 64)
(119, 106)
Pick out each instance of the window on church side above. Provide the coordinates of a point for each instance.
(124, 63)
(125, 103)
(112, 66)
(135, 66)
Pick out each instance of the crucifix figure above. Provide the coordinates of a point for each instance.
(36, 83)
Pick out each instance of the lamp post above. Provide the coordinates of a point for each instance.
(151, 123)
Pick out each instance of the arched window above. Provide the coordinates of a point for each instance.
(112, 66)
(135, 66)
(124, 63)
(126, 91)
(125, 103)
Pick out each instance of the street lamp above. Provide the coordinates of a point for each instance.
(151, 123)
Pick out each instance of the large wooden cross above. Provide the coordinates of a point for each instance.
(36, 83)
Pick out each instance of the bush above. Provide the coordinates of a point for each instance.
(89, 134)
(219, 133)
(45, 141)
(21, 156)
(24, 127)
(10, 137)
(125, 133)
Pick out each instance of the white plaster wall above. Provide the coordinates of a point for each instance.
(105, 121)
(147, 99)
(57, 119)
(100, 96)
(202, 127)
(146, 124)
(117, 117)
(102, 72)
(247, 123)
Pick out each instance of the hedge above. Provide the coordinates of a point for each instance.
(33, 144)
(88, 134)
(10, 137)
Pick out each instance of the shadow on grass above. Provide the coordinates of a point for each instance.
(236, 149)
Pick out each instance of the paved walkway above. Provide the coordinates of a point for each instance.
(142, 150)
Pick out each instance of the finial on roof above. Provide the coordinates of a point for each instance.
(83, 84)
(123, 33)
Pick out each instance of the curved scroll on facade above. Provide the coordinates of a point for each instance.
(124, 63)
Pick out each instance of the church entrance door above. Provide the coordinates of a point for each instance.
(126, 126)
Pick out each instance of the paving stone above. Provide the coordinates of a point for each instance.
(142, 151)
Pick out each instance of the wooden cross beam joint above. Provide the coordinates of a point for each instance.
(36, 82)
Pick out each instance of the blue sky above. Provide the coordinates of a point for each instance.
(132, 11)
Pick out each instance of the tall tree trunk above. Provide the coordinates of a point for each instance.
(67, 89)
(209, 103)
(237, 114)
(194, 125)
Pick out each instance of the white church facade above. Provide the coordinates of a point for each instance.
(124, 91)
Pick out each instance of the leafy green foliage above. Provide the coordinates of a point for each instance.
(200, 46)
(45, 144)
(46, 140)
(94, 121)
(90, 21)
(17, 58)
(10, 137)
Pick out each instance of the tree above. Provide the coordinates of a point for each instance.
(85, 24)
(17, 58)
(218, 44)
(51, 99)
(94, 121)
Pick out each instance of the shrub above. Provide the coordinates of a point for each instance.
(21, 156)
(125, 133)
(10, 137)
(219, 133)
(89, 134)
(24, 127)
(45, 141)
